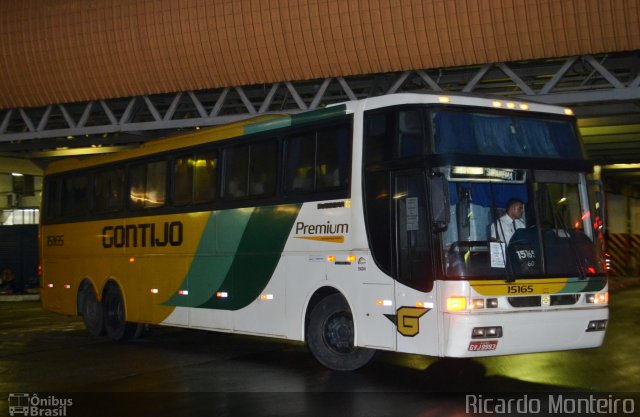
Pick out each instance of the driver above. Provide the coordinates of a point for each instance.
(510, 222)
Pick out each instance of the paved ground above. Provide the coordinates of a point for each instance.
(185, 372)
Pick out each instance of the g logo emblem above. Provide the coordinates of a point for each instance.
(408, 320)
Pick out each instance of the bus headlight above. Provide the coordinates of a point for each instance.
(598, 298)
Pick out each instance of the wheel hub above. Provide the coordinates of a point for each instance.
(338, 333)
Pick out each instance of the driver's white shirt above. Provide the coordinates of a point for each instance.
(506, 228)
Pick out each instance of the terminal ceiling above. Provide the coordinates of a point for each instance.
(81, 77)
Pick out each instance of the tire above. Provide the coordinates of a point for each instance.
(330, 335)
(115, 324)
(91, 311)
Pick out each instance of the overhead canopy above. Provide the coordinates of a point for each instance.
(75, 50)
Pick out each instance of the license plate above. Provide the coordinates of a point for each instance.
(483, 345)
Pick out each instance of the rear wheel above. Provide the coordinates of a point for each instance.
(330, 335)
(115, 323)
(91, 310)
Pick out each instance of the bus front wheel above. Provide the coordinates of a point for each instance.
(115, 323)
(91, 311)
(330, 336)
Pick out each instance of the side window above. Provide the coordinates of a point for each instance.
(379, 132)
(109, 191)
(52, 198)
(205, 177)
(332, 150)
(300, 164)
(251, 170)
(394, 134)
(263, 169)
(318, 161)
(410, 133)
(195, 178)
(75, 195)
(182, 180)
(236, 161)
(148, 185)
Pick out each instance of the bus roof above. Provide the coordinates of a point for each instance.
(268, 122)
(253, 125)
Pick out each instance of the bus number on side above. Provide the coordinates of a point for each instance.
(55, 240)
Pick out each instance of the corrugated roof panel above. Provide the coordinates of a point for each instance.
(77, 50)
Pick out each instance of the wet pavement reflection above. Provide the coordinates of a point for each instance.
(187, 372)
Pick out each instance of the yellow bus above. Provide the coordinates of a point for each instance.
(367, 225)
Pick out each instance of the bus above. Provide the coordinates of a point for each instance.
(358, 227)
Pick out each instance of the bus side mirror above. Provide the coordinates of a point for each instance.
(439, 192)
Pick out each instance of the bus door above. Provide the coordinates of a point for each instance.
(416, 323)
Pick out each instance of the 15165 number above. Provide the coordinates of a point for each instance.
(519, 289)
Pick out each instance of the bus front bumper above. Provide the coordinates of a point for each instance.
(523, 332)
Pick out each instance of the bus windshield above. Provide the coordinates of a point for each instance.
(508, 223)
(504, 134)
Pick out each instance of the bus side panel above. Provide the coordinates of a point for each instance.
(418, 328)
(266, 315)
(305, 272)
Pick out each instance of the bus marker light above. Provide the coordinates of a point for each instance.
(132, 260)
(511, 105)
(266, 296)
(385, 303)
(331, 258)
(456, 303)
(444, 99)
(424, 304)
(351, 258)
(50, 285)
(222, 294)
(524, 106)
(568, 112)
(67, 286)
(347, 203)
(183, 292)
(154, 290)
(497, 103)
(477, 303)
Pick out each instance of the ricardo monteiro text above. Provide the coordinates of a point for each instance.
(552, 404)
(143, 235)
(321, 229)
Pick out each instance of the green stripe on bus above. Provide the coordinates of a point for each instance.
(589, 284)
(295, 119)
(258, 255)
(278, 123)
(313, 116)
(218, 245)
